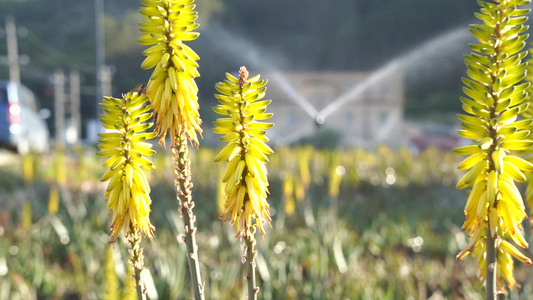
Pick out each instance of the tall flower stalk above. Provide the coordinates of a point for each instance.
(133, 239)
(494, 209)
(173, 94)
(128, 192)
(182, 164)
(246, 182)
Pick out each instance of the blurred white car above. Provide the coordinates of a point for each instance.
(22, 125)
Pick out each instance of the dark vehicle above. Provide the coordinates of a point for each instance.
(22, 125)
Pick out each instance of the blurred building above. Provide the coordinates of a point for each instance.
(373, 116)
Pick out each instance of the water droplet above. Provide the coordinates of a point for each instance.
(13, 250)
(279, 247)
(390, 171)
(213, 242)
(390, 179)
(340, 170)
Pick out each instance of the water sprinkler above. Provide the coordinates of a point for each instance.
(319, 120)
(410, 59)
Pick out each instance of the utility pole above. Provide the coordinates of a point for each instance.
(75, 115)
(12, 50)
(99, 53)
(59, 107)
(106, 82)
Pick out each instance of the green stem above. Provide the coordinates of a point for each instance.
(134, 244)
(490, 283)
(183, 183)
(250, 277)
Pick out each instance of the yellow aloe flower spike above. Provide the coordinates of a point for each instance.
(494, 98)
(128, 192)
(246, 183)
(171, 88)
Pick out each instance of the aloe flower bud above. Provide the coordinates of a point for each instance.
(494, 98)
(171, 88)
(128, 192)
(246, 182)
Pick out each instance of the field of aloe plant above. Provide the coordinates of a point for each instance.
(347, 224)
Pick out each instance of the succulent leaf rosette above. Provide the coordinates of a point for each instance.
(171, 88)
(494, 99)
(128, 192)
(245, 179)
